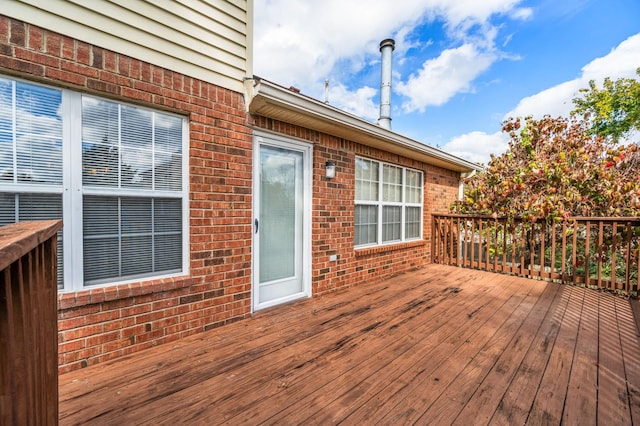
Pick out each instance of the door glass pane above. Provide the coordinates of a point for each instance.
(280, 213)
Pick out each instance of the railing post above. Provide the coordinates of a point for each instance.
(600, 253)
(28, 324)
(434, 239)
(629, 258)
(614, 249)
(552, 260)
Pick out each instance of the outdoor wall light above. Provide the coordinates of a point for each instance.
(330, 169)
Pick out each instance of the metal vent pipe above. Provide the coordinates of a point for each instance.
(386, 47)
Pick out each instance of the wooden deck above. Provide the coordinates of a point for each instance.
(441, 345)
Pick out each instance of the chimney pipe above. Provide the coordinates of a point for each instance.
(386, 47)
(326, 91)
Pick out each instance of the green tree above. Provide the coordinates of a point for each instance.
(555, 168)
(614, 109)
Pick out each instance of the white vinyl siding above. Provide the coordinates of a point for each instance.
(205, 39)
(388, 204)
(115, 173)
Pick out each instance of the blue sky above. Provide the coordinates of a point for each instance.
(460, 67)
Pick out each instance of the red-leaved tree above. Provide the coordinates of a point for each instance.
(555, 168)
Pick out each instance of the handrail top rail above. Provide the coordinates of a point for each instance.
(573, 218)
(17, 239)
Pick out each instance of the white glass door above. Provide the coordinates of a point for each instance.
(280, 222)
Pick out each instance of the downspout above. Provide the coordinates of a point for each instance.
(464, 176)
(249, 90)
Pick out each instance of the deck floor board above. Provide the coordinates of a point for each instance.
(490, 391)
(434, 346)
(398, 371)
(409, 347)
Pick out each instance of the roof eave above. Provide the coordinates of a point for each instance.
(273, 101)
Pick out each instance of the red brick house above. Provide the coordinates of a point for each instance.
(193, 194)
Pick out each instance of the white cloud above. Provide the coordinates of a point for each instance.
(522, 13)
(621, 62)
(462, 14)
(477, 146)
(360, 102)
(443, 77)
(303, 43)
(554, 101)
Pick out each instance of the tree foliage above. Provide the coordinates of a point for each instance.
(555, 168)
(614, 109)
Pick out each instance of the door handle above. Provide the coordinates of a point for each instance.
(256, 224)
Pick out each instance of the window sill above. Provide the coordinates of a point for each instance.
(121, 291)
(367, 251)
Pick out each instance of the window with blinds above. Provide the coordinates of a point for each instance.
(31, 156)
(388, 204)
(132, 186)
(115, 173)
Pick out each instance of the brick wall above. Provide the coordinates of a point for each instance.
(103, 323)
(333, 212)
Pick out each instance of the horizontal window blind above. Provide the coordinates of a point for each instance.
(412, 222)
(22, 207)
(391, 223)
(31, 156)
(130, 147)
(30, 134)
(127, 238)
(366, 228)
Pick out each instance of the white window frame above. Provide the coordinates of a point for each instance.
(380, 204)
(73, 192)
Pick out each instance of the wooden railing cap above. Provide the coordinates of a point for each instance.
(633, 219)
(19, 238)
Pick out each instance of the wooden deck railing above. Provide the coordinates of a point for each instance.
(28, 324)
(596, 252)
